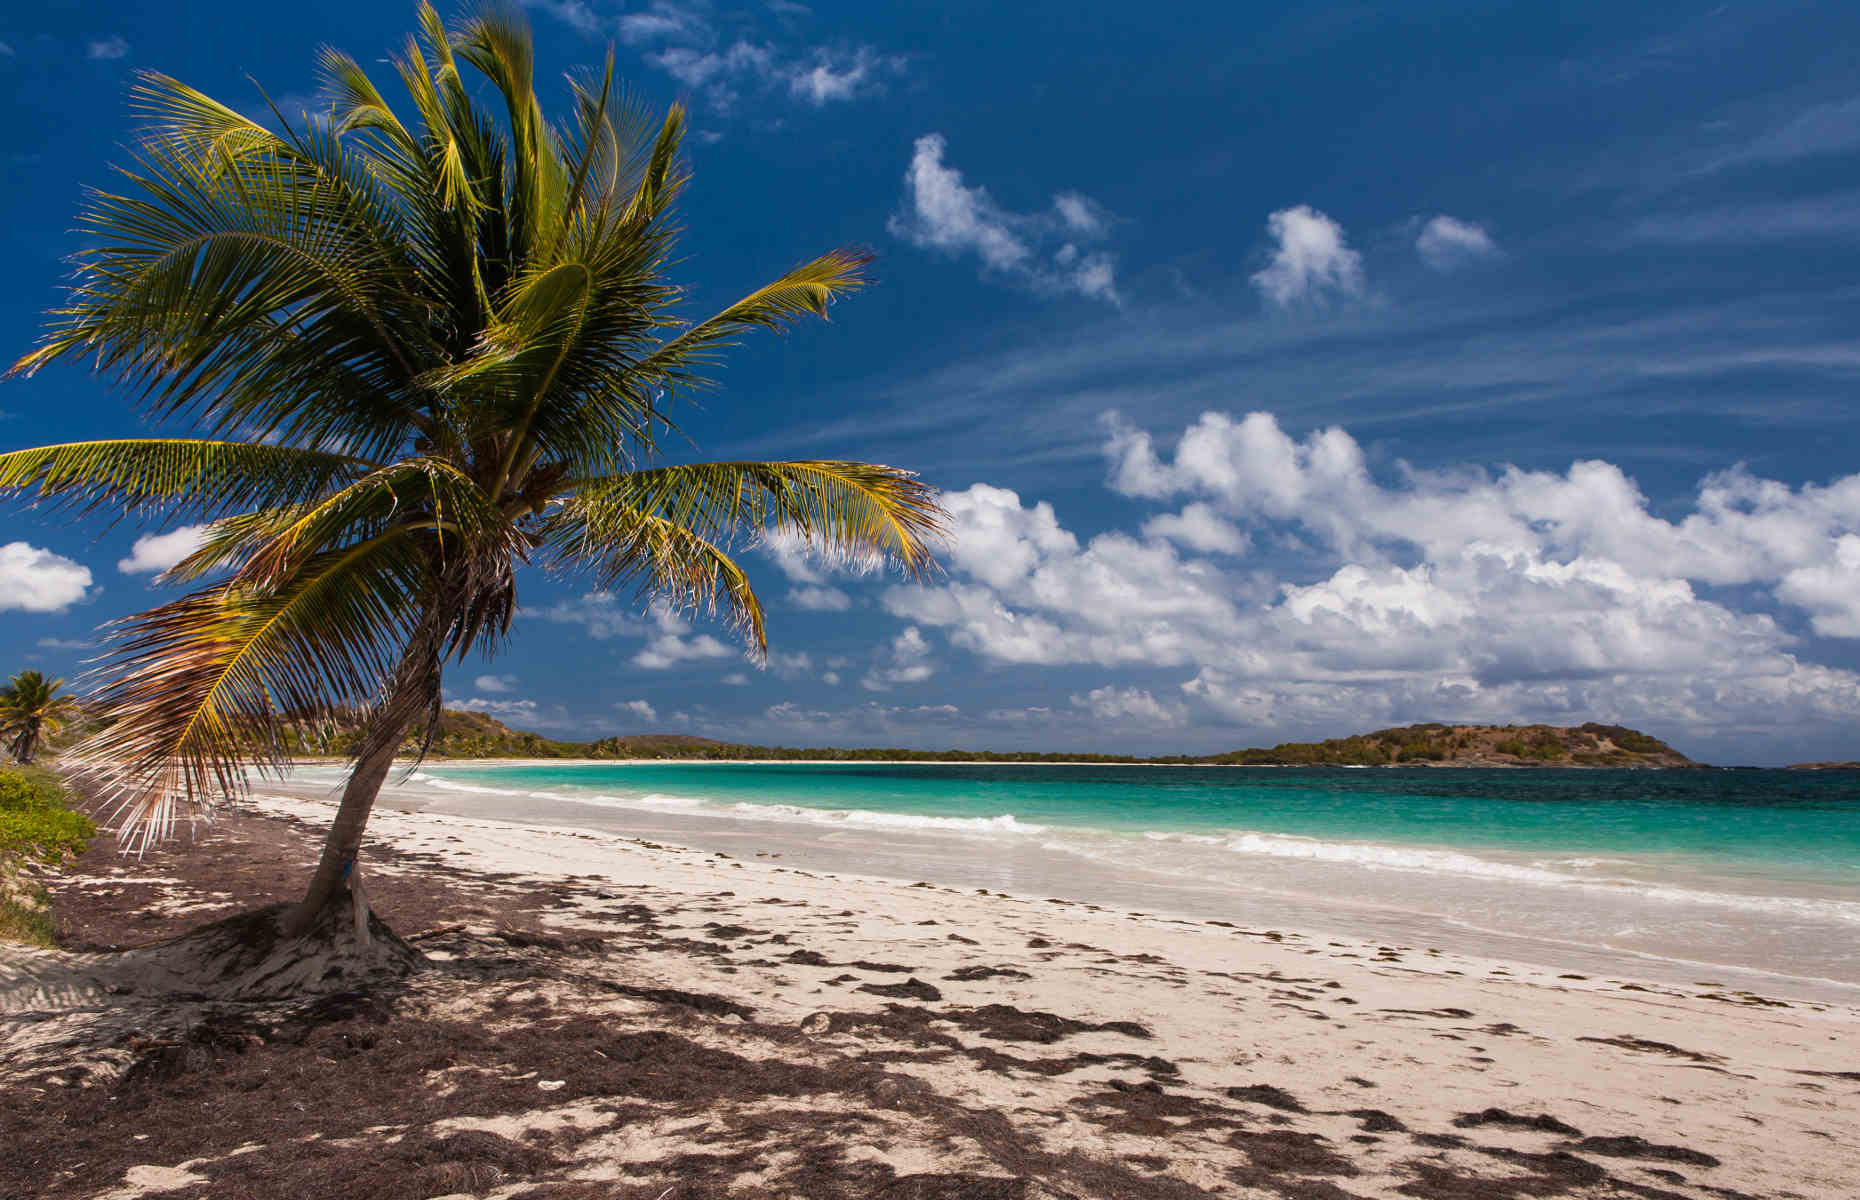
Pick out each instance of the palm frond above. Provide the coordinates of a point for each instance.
(843, 510)
(806, 290)
(178, 476)
(619, 546)
(195, 688)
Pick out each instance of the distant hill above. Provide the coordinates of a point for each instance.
(465, 734)
(1589, 745)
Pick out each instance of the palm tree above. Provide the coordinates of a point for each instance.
(31, 710)
(419, 356)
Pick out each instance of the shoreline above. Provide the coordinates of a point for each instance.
(1649, 922)
(980, 762)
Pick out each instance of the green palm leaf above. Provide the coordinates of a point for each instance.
(178, 476)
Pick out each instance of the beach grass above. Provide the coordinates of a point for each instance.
(38, 828)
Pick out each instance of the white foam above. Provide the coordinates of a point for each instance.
(865, 818)
(1377, 856)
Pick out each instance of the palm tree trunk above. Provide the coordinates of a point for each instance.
(409, 696)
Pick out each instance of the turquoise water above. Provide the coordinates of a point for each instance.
(1780, 825)
(1651, 874)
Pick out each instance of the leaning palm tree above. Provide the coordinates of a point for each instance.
(31, 711)
(419, 354)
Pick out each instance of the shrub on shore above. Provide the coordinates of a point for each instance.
(37, 827)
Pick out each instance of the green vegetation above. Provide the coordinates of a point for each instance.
(415, 352)
(1590, 745)
(36, 827)
(463, 734)
(31, 712)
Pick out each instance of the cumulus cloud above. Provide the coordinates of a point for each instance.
(907, 660)
(599, 613)
(159, 551)
(1829, 591)
(736, 679)
(1199, 527)
(638, 708)
(1447, 243)
(667, 633)
(1046, 251)
(1128, 704)
(1311, 261)
(789, 664)
(671, 641)
(104, 49)
(820, 599)
(1471, 593)
(798, 559)
(495, 683)
(501, 709)
(35, 580)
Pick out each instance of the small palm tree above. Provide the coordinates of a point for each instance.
(32, 711)
(419, 355)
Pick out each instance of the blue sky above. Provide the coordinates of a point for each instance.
(1290, 370)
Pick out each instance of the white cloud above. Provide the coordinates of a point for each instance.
(1447, 244)
(1461, 594)
(1198, 527)
(1310, 261)
(1829, 591)
(108, 48)
(54, 643)
(158, 551)
(640, 709)
(788, 665)
(667, 633)
(736, 679)
(1110, 703)
(839, 75)
(699, 68)
(1041, 251)
(830, 678)
(907, 661)
(820, 599)
(495, 683)
(600, 613)
(685, 42)
(503, 710)
(671, 642)
(802, 562)
(35, 580)
(660, 20)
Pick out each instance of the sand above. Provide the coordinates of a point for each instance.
(611, 1017)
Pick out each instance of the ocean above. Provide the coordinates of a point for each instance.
(1683, 876)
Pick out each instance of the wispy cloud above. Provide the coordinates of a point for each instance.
(723, 58)
(1836, 216)
(1812, 132)
(1043, 251)
(1448, 244)
(112, 47)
